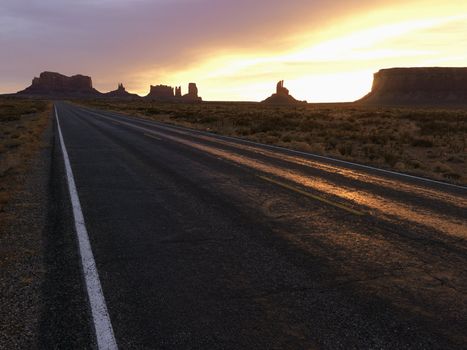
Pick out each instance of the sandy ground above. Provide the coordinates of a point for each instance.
(22, 271)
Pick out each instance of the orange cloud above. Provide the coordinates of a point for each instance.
(326, 50)
(336, 65)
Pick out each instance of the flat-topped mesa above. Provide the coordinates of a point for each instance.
(418, 86)
(282, 96)
(56, 84)
(120, 93)
(161, 92)
(192, 95)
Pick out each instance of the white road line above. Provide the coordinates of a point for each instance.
(100, 315)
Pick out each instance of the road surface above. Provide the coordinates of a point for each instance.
(207, 242)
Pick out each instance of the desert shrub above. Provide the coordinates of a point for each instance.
(9, 118)
(434, 127)
(390, 158)
(309, 125)
(272, 123)
(244, 132)
(365, 115)
(421, 142)
(286, 138)
(289, 115)
(13, 143)
(315, 115)
(345, 149)
(345, 125)
(457, 146)
(301, 146)
(308, 138)
(406, 137)
(242, 122)
(378, 139)
(455, 159)
(317, 148)
(332, 143)
(452, 176)
(152, 110)
(415, 163)
(207, 120)
(401, 166)
(187, 115)
(442, 168)
(269, 139)
(369, 151)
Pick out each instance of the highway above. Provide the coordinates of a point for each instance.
(207, 242)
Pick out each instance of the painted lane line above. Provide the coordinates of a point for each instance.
(309, 195)
(153, 137)
(102, 326)
(150, 133)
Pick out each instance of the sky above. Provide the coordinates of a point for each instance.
(325, 50)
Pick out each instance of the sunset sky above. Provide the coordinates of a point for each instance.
(325, 50)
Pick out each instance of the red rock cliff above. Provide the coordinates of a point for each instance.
(192, 95)
(161, 92)
(51, 83)
(401, 86)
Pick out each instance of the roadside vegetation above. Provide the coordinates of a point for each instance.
(22, 123)
(430, 142)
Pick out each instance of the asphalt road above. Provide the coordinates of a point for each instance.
(206, 242)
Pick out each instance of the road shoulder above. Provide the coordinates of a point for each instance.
(43, 298)
(22, 251)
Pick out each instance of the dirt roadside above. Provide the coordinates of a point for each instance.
(23, 217)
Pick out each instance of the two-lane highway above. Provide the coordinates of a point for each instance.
(208, 242)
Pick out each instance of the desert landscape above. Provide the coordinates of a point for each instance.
(413, 122)
(22, 124)
(233, 175)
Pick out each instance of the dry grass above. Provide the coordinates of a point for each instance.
(22, 123)
(430, 142)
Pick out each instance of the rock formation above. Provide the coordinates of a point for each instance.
(56, 84)
(120, 93)
(427, 86)
(280, 89)
(161, 92)
(169, 94)
(282, 96)
(192, 95)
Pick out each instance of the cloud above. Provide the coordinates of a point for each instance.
(234, 44)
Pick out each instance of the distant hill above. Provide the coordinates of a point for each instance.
(59, 85)
(282, 96)
(418, 86)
